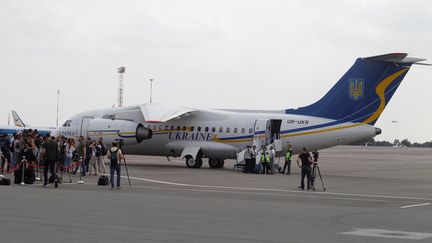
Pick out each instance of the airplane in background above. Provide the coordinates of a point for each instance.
(347, 113)
(10, 130)
(19, 126)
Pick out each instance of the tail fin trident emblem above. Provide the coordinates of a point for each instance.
(356, 89)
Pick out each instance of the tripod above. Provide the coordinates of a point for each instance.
(314, 176)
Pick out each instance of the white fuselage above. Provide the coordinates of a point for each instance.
(222, 134)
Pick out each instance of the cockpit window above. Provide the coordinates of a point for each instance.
(67, 123)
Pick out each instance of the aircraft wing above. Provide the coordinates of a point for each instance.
(161, 113)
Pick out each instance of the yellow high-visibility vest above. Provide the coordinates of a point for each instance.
(288, 154)
(265, 157)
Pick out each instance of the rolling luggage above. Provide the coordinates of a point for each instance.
(5, 182)
(103, 181)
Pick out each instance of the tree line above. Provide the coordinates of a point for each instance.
(404, 143)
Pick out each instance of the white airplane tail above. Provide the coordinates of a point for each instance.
(17, 120)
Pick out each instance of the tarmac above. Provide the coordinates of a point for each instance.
(372, 195)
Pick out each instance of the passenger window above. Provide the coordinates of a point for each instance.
(206, 129)
(243, 130)
(235, 130)
(221, 129)
(172, 128)
(250, 130)
(178, 128)
(199, 129)
(184, 128)
(213, 129)
(228, 130)
(166, 128)
(192, 129)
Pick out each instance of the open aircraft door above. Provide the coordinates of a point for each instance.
(261, 133)
(84, 126)
(266, 132)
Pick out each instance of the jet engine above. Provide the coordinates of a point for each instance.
(127, 132)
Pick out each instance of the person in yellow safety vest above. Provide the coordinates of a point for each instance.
(287, 164)
(265, 160)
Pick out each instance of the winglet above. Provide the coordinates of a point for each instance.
(17, 120)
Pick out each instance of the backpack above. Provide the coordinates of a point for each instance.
(104, 150)
(103, 181)
(114, 158)
(98, 151)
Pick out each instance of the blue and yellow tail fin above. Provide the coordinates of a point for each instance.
(364, 91)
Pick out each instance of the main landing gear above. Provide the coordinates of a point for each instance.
(197, 162)
(216, 163)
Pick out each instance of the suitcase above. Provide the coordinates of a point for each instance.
(103, 181)
(29, 176)
(18, 175)
(5, 182)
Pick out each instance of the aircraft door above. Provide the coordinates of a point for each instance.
(84, 126)
(275, 129)
(261, 133)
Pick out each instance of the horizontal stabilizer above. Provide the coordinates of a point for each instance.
(395, 57)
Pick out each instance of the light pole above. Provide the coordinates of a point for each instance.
(121, 70)
(58, 99)
(151, 89)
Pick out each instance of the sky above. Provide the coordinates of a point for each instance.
(211, 54)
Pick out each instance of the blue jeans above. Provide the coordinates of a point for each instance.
(16, 158)
(67, 161)
(114, 168)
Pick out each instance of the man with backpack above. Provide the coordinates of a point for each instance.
(115, 155)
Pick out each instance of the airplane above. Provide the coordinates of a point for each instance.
(19, 124)
(347, 113)
(10, 130)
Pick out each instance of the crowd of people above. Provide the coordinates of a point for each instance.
(32, 150)
(28, 146)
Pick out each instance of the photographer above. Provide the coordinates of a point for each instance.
(306, 162)
(115, 155)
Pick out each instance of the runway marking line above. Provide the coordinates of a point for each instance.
(388, 234)
(415, 205)
(278, 190)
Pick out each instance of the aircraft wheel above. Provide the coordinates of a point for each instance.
(193, 163)
(213, 163)
(190, 162)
